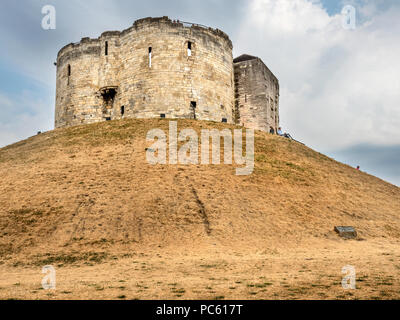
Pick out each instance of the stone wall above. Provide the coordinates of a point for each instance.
(111, 77)
(256, 94)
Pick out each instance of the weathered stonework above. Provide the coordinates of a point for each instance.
(156, 68)
(256, 94)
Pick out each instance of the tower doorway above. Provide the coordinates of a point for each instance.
(108, 94)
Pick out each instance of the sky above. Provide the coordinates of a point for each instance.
(340, 87)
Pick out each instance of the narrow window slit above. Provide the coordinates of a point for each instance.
(106, 48)
(69, 73)
(189, 49)
(150, 55)
(193, 106)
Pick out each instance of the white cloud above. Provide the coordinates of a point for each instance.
(338, 87)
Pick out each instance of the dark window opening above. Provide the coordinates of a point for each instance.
(193, 106)
(162, 116)
(68, 73)
(150, 55)
(224, 120)
(122, 110)
(189, 49)
(108, 119)
(106, 48)
(108, 95)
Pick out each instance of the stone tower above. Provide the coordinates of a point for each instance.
(161, 68)
(256, 94)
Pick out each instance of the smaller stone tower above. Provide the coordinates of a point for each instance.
(256, 94)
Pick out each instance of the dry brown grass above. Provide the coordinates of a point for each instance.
(85, 200)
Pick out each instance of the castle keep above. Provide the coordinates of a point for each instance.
(163, 68)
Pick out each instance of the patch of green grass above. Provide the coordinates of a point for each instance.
(88, 257)
(208, 266)
(180, 291)
(385, 283)
(263, 285)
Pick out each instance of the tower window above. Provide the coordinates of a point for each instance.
(122, 110)
(106, 48)
(162, 116)
(224, 120)
(189, 49)
(193, 106)
(150, 55)
(68, 73)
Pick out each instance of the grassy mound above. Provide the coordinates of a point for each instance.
(88, 193)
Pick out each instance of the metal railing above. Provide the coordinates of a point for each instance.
(191, 24)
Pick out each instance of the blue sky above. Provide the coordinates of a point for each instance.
(333, 7)
(340, 89)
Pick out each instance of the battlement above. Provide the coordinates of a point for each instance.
(145, 23)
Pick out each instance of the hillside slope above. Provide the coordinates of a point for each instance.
(90, 190)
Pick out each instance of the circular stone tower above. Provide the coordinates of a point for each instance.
(156, 68)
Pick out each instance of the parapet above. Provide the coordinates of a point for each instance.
(143, 23)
